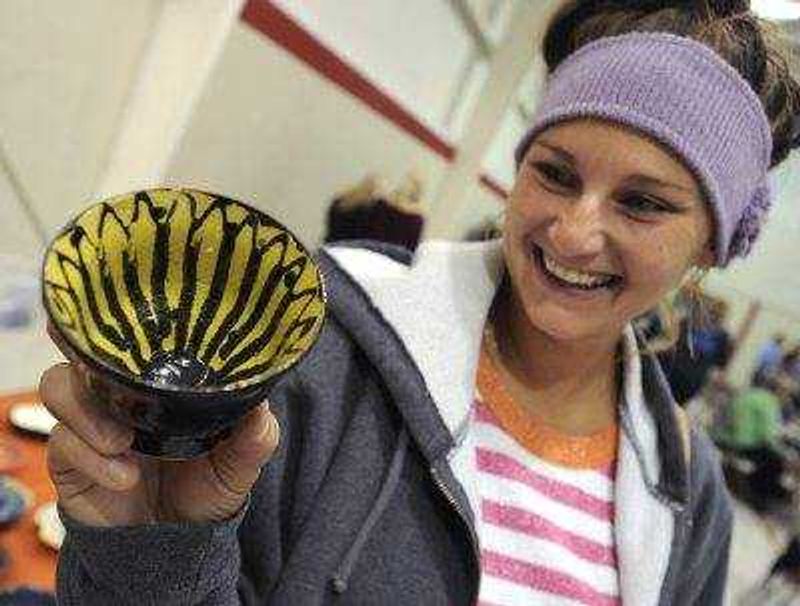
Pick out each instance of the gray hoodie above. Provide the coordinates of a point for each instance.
(367, 500)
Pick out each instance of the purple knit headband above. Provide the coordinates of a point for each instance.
(681, 93)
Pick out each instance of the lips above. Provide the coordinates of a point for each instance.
(568, 277)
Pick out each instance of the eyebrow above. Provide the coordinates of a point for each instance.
(645, 180)
(636, 179)
(561, 153)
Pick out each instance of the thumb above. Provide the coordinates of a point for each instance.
(238, 460)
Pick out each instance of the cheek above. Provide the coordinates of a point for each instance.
(515, 219)
(659, 267)
(528, 206)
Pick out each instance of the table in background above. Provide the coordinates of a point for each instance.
(33, 563)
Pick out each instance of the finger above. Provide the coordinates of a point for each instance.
(238, 460)
(59, 341)
(63, 391)
(66, 350)
(75, 466)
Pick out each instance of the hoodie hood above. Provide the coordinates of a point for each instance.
(428, 315)
(437, 306)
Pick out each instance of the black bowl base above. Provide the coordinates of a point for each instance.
(176, 447)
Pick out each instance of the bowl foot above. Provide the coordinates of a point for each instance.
(176, 447)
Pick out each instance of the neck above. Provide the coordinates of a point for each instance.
(570, 385)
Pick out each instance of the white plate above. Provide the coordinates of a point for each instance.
(51, 531)
(32, 417)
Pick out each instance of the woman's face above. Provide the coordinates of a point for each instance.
(600, 225)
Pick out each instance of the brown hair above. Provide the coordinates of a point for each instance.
(727, 26)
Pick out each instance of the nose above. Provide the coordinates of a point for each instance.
(578, 229)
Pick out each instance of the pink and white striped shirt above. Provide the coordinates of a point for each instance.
(546, 506)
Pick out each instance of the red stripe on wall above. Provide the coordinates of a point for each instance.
(274, 23)
(494, 187)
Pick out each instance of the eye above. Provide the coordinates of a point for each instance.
(555, 175)
(640, 205)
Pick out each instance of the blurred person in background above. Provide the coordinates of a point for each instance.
(788, 562)
(700, 349)
(487, 229)
(790, 366)
(754, 432)
(770, 357)
(350, 211)
(370, 212)
(790, 363)
(781, 587)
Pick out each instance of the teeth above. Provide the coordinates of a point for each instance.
(573, 276)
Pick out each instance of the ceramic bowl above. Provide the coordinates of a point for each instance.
(185, 307)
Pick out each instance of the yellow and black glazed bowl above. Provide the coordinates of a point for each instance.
(185, 307)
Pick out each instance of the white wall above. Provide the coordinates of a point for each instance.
(18, 235)
(183, 47)
(65, 70)
(508, 65)
(481, 205)
(270, 130)
(414, 50)
(499, 158)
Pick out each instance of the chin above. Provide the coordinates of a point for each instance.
(567, 327)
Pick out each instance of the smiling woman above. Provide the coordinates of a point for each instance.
(647, 158)
(601, 224)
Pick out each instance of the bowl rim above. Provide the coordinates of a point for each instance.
(136, 382)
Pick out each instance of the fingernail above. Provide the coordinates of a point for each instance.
(261, 432)
(259, 429)
(271, 428)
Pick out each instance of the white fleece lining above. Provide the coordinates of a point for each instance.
(641, 419)
(459, 281)
(644, 527)
(367, 265)
(460, 288)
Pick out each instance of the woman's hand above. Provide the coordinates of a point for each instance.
(101, 482)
